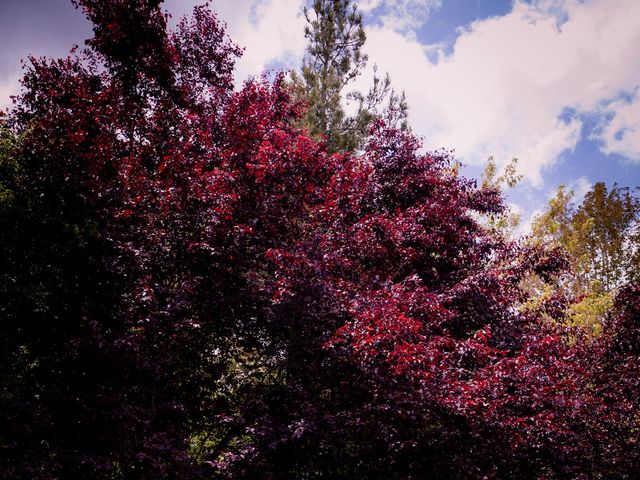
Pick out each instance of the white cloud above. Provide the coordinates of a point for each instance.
(276, 35)
(526, 226)
(8, 87)
(503, 88)
(369, 5)
(580, 187)
(400, 15)
(407, 15)
(270, 31)
(621, 134)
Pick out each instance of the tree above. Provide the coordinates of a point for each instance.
(194, 288)
(333, 60)
(105, 359)
(598, 234)
(606, 219)
(506, 222)
(598, 237)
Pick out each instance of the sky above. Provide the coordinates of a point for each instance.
(555, 83)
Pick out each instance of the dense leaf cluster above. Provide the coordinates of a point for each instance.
(193, 288)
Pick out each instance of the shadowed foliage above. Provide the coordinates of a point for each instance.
(193, 288)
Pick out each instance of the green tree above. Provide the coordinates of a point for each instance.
(9, 168)
(604, 222)
(504, 223)
(554, 226)
(334, 59)
(601, 239)
(600, 235)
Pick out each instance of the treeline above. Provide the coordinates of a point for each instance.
(202, 283)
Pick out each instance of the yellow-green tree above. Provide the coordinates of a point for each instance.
(600, 236)
(505, 223)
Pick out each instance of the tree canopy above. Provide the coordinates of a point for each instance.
(193, 288)
(600, 234)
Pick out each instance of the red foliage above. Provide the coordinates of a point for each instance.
(210, 226)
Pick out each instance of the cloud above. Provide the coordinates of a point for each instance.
(270, 31)
(526, 226)
(621, 133)
(506, 86)
(580, 187)
(401, 15)
(8, 86)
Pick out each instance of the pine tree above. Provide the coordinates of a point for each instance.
(334, 59)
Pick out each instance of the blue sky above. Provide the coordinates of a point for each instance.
(555, 83)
